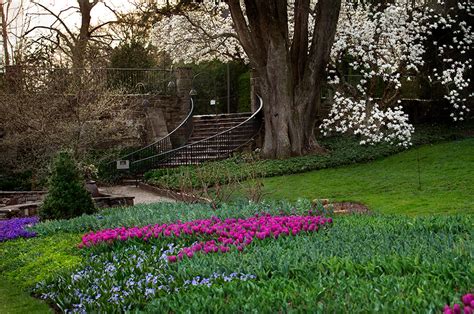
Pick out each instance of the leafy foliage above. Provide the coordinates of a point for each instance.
(66, 196)
(26, 262)
(133, 54)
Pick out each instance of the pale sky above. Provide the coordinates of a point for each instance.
(36, 16)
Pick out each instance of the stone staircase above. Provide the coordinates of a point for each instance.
(196, 140)
(208, 147)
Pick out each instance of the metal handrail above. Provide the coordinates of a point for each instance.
(162, 142)
(202, 143)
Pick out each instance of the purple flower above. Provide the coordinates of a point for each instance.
(15, 228)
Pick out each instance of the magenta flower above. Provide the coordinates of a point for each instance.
(172, 259)
(447, 310)
(467, 299)
(227, 233)
(457, 309)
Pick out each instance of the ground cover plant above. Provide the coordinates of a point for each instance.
(15, 228)
(432, 179)
(360, 264)
(341, 151)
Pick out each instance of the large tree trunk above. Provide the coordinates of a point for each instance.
(291, 72)
(289, 116)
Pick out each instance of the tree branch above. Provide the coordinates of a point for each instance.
(57, 31)
(243, 32)
(57, 16)
(102, 25)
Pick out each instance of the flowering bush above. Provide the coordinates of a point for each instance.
(231, 232)
(467, 301)
(15, 228)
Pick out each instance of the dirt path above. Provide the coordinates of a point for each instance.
(141, 196)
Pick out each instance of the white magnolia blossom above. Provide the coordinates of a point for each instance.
(454, 74)
(203, 34)
(365, 118)
(386, 45)
(377, 45)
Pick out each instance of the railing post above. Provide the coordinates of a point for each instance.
(254, 90)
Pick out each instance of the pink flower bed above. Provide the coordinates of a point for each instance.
(467, 301)
(213, 235)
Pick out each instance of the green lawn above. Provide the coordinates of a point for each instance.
(391, 185)
(14, 300)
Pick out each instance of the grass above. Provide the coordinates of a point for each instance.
(343, 150)
(14, 300)
(443, 184)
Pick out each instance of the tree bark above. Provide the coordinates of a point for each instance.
(3, 20)
(291, 72)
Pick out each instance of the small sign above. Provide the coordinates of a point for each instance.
(213, 102)
(123, 164)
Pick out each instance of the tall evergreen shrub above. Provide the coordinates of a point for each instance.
(67, 196)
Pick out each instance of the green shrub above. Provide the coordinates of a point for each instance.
(15, 181)
(67, 197)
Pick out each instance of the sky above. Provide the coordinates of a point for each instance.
(35, 16)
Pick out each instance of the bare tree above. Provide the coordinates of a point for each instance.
(54, 114)
(14, 23)
(74, 43)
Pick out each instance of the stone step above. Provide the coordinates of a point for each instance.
(175, 162)
(223, 115)
(220, 128)
(222, 137)
(219, 143)
(219, 120)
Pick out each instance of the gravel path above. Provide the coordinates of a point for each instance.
(141, 196)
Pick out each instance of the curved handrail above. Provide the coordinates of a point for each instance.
(164, 140)
(185, 147)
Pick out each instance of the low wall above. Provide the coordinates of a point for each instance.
(27, 203)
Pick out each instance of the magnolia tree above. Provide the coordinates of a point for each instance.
(290, 45)
(385, 45)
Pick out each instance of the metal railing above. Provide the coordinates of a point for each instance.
(176, 138)
(219, 146)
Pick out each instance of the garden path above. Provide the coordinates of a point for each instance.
(141, 196)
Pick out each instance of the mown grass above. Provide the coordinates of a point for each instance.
(431, 179)
(342, 151)
(14, 300)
